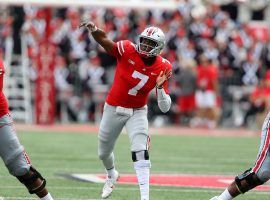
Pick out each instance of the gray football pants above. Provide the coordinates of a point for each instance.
(111, 126)
(262, 164)
(11, 151)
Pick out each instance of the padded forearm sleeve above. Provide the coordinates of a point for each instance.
(164, 100)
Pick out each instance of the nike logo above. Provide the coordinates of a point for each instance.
(154, 74)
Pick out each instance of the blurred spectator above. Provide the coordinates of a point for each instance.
(206, 94)
(237, 56)
(259, 100)
(250, 71)
(186, 80)
(63, 88)
(91, 72)
(93, 76)
(61, 74)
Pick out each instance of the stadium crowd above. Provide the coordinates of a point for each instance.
(209, 48)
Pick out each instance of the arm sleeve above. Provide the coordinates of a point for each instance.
(164, 100)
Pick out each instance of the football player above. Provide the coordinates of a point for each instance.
(258, 175)
(13, 153)
(139, 69)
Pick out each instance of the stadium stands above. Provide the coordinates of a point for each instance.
(240, 52)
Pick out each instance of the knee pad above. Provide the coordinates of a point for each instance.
(29, 180)
(247, 181)
(140, 155)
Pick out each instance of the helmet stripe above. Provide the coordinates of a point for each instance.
(150, 31)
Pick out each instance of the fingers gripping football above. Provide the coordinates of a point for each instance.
(89, 25)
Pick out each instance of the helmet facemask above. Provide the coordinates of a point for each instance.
(151, 42)
(149, 47)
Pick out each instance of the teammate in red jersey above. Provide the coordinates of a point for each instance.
(13, 153)
(139, 69)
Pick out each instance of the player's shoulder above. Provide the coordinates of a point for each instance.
(165, 63)
(125, 46)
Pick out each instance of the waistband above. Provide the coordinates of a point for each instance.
(106, 105)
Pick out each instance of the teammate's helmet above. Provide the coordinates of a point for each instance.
(151, 42)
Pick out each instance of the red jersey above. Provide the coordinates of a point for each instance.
(3, 100)
(207, 77)
(133, 80)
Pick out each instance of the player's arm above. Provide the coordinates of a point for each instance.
(164, 100)
(99, 36)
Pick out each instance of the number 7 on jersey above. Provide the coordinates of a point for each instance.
(133, 91)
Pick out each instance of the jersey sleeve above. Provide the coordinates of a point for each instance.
(122, 48)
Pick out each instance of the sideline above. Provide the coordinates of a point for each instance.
(168, 130)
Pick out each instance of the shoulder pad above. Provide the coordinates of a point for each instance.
(166, 63)
(125, 46)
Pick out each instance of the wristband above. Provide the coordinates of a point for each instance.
(159, 87)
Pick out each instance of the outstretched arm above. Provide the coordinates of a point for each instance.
(99, 35)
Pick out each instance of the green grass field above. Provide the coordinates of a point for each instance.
(54, 153)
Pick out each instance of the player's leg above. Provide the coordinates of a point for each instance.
(210, 114)
(137, 128)
(111, 126)
(197, 120)
(258, 175)
(245, 182)
(17, 161)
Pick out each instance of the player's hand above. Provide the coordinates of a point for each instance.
(89, 25)
(162, 77)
